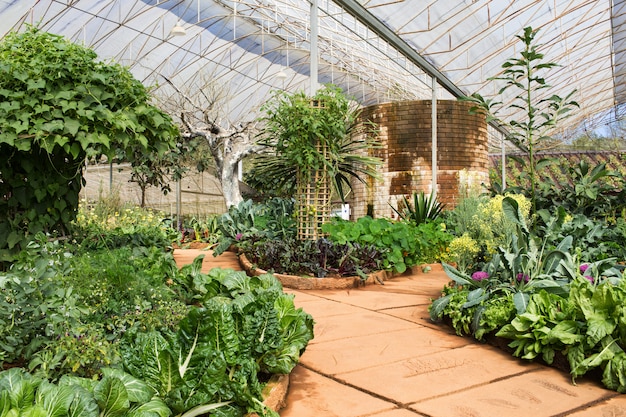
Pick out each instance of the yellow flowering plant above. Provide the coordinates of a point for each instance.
(97, 226)
(463, 251)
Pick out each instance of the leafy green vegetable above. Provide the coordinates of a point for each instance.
(116, 394)
(241, 327)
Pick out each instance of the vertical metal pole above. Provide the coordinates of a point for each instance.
(314, 53)
(179, 224)
(503, 163)
(434, 137)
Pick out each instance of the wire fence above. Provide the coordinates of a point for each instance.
(198, 194)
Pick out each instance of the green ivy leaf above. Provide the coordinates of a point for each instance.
(72, 126)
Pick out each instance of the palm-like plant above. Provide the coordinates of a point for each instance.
(421, 209)
(313, 148)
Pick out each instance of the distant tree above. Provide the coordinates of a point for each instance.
(228, 142)
(594, 142)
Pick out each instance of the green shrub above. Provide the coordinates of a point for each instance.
(401, 244)
(35, 305)
(97, 227)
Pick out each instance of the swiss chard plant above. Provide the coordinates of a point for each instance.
(240, 329)
(587, 327)
(115, 394)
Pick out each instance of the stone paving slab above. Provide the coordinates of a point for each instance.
(357, 353)
(423, 377)
(346, 326)
(546, 392)
(225, 260)
(431, 283)
(418, 314)
(323, 309)
(399, 412)
(301, 296)
(313, 395)
(614, 407)
(370, 300)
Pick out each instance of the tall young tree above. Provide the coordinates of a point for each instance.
(525, 77)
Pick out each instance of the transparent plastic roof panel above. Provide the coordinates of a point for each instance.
(376, 50)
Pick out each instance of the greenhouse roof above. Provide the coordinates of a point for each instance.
(238, 51)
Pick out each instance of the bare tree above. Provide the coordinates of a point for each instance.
(228, 145)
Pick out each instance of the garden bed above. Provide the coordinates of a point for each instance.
(298, 282)
(275, 393)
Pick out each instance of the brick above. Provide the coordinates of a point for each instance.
(405, 132)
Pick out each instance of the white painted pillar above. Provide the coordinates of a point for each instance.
(434, 167)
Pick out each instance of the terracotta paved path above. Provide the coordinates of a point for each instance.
(377, 354)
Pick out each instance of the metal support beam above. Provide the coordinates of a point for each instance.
(314, 52)
(364, 16)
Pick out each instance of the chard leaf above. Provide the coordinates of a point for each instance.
(149, 357)
(138, 391)
(54, 399)
(218, 326)
(86, 383)
(153, 408)
(297, 331)
(20, 387)
(5, 403)
(204, 409)
(84, 404)
(32, 411)
(111, 396)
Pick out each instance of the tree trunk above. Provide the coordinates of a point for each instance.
(230, 183)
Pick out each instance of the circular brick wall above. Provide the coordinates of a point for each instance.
(405, 133)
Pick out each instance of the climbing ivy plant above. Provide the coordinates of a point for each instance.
(59, 106)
